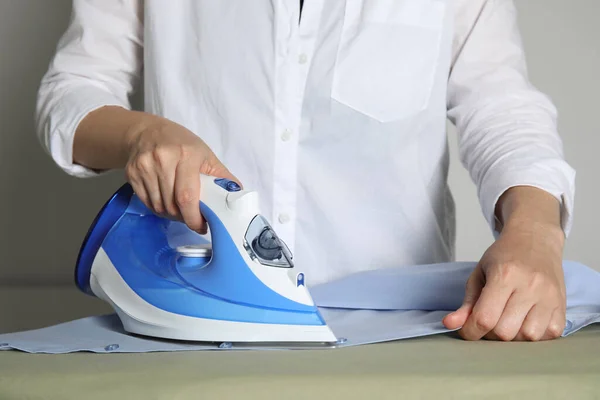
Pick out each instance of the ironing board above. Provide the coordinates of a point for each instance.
(441, 366)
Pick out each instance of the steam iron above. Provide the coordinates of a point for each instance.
(164, 280)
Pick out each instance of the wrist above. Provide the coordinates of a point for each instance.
(529, 209)
(531, 225)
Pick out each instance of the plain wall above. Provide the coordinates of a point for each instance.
(45, 214)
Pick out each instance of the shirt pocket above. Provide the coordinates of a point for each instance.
(388, 56)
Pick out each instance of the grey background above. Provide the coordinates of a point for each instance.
(45, 213)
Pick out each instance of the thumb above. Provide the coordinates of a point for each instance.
(214, 167)
(473, 289)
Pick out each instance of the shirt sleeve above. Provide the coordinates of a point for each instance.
(97, 63)
(507, 129)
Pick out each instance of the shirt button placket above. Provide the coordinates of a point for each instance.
(291, 96)
(285, 200)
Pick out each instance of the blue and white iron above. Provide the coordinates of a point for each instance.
(164, 280)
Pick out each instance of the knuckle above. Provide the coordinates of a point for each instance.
(158, 207)
(161, 156)
(185, 152)
(508, 271)
(171, 210)
(143, 163)
(531, 333)
(212, 165)
(483, 322)
(555, 330)
(503, 334)
(183, 197)
(195, 224)
(537, 281)
(157, 204)
(130, 172)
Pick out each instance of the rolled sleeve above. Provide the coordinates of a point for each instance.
(554, 177)
(97, 64)
(71, 107)
(507, 129)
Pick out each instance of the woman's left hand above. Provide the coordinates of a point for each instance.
(517, 291)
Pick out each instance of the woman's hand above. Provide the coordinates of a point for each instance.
(164, 166)
(517, 291)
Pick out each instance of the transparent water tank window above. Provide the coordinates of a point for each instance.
(264, 246)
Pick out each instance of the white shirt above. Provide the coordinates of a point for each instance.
(337, 119)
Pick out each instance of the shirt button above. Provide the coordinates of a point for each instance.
(302, 58)
(286, 135)
(284, 218)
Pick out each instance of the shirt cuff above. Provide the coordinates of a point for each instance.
(74, 105)
(554, 177)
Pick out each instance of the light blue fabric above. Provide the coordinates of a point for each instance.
(368, 307)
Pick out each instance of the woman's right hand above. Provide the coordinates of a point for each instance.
(164, 164)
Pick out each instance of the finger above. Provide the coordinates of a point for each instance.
(142, 169)
(473, 288)
(150, 182)
(513, 316)
(140, 191)
(133, 177)
(166, 183)
(187, 194)
(535, 324)
(214, 167)
(491, 336)
(487, 311)
(556, 327)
